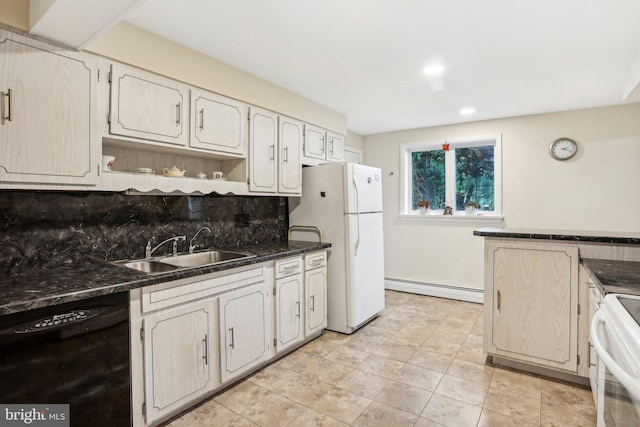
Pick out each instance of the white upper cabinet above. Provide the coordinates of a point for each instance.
(322, 146)
(290, 165)
(263, 151)
(335, 147)
(147, 106)
(314, 138)
(275, 153)
(47, 118)
(218, 123)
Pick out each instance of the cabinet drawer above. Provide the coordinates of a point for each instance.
(181, 291)
(315, 260)
(287, 267)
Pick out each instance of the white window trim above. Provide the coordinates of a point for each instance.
(407, 148)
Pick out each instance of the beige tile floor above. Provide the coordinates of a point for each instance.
(419, 364)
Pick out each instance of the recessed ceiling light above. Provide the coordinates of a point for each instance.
(467, 111)
(433, 69)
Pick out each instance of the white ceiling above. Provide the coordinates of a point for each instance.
(364, 58)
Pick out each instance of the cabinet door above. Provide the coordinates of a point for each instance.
(288, 297)
(335, 147)
(244, 341)
(594, 304)
(147, 106)
(534, 298)
(47, 117)
(179, 362)
(316, 299)
(314, 138)
(218, 123)
(290, 170)
(263, 152)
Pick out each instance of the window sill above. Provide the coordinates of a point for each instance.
(457, 217)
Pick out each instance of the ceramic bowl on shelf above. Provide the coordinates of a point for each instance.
(145, 170)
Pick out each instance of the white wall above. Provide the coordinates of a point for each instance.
(354, 140)
(596, 190)
(15, 13)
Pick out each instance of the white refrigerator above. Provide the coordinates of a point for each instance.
(345, 201)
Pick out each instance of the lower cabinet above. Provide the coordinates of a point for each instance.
(531, 303)
(594, 300)
(288, 303)
(244, 334)
(179, 356)
(191, 337)
(315, 289)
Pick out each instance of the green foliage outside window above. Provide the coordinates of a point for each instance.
(474, 177)
(428, 178)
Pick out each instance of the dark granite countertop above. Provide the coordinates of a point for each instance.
(620, 277)
(562, 235)
(51, 285)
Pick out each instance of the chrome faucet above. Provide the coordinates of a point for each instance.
(191, 245)
(148, 251)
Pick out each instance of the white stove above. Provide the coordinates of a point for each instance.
(615, 334)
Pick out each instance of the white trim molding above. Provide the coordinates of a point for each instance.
(435, 290)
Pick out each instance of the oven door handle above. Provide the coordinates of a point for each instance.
(630, 382)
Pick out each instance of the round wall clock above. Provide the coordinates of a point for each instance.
(563, 148)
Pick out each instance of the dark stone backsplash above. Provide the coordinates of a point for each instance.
(45, 228)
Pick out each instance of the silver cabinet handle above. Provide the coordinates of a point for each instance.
(8, 117)
(297, 308)
(313, 303)
(178, 114)
(291, 267)
(202, 119)
(206, 349)
(286, 154)
(331, 146)
(232, 345)
(499, 300)
(272, 152)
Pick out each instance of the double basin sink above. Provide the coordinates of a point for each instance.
(180, 262)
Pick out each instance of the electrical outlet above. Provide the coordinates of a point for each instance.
(242, 220)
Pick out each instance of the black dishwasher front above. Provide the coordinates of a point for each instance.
(75, 353)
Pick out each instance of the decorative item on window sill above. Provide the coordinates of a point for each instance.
(423, 206)
(445, 147)
(448, 210)
(471, 208)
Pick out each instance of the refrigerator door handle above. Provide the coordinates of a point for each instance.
(357, 210)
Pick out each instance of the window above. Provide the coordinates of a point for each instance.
(468, 171)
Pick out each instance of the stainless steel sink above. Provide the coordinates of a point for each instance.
(147, 266)
(181, 262)
(200, 259)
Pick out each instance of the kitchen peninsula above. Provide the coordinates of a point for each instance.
(537, 285)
